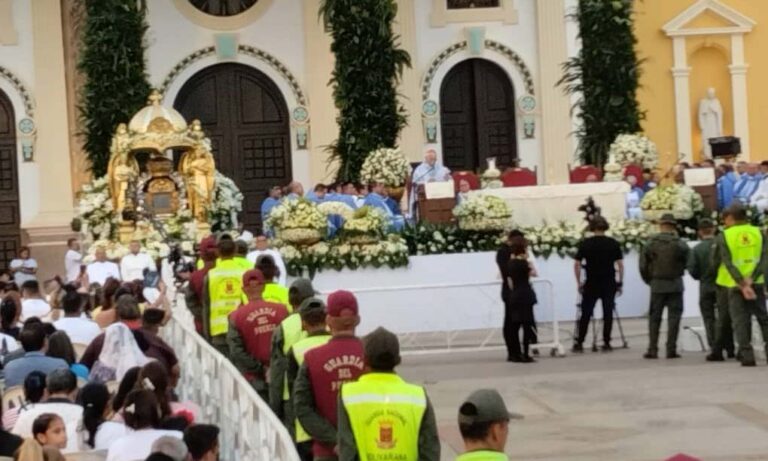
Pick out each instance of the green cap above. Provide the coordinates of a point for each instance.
(485, 406)
(382, 349)
(303, 288)
(668, 218)
(311, 305)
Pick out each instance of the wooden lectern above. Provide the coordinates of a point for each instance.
(436, 211)
(703, 181)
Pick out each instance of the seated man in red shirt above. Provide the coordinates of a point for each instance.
(250, 332)
(325, 369)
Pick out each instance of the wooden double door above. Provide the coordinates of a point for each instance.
(246, 117)
(477, 113)
(10, 221)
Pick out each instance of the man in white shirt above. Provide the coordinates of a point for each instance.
(262, 248)
(80, 330)
(428, 171)
(72, 260)
(101, 269)
(133, 265)
(61, 386)
(32, 302)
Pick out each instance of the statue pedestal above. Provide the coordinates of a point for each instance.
(203, 230)
(125, 231)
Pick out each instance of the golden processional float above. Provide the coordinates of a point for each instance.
(142, 181)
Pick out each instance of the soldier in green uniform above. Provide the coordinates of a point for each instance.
(740, 257)
(662, 266)
(484, 426)
(712, 302)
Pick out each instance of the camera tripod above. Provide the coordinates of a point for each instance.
(624, 343)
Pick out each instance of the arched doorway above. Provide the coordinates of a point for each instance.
(246, 117)
(477, 114)
(10, 231)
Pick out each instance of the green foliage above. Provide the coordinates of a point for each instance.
(605, 74)
(112, 62)
(368, 67)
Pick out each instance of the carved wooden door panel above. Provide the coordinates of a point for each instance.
(10, 231)
(477, 111)
(458, 118)
(246, 117)
(496, 131)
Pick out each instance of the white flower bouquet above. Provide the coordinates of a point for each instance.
(678, 199)
(634, 148)
(484, 213)
(95, 211)
(298, 221)
(367, 225)
(226, 204)
(386, 166)
(337, 209)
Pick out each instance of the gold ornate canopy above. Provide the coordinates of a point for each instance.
(160, 130)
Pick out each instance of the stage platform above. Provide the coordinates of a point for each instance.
(458, 292)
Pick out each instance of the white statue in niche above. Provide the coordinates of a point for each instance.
(710, 120)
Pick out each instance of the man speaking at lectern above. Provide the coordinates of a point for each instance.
(428, 171)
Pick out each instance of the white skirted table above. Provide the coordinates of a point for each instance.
(536, 204)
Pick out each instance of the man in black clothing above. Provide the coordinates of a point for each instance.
(602, 258)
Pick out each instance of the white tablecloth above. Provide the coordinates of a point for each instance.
(532, 205)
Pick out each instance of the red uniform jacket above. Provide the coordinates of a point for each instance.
(328, 367)
(255, 322)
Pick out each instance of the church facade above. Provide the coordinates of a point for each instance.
(482, 84)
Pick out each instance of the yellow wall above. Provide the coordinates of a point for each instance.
(707, 58)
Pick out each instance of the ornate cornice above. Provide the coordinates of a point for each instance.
(29, 106)
(246, 50)
(489, 44)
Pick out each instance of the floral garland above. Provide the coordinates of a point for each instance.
(678, 199)
(483, 213)
(337, 254)
(336, 209)
(298, 221)
(385, 166)
(98, 225)
(634, 148)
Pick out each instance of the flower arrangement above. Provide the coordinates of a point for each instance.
(95, 211)
(634, 148)
(298, 221)
(338, 254)
(366, 221)
(386, 166)
(678, 199)
(483, 213)
(336, 209)
(226, 204)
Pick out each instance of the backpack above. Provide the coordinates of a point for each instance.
(666, 261)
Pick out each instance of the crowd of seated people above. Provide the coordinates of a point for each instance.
(85, 369)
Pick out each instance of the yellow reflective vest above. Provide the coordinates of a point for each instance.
(483, 455)
(225, 290)
(276, 293)
(745, 243)
(385, 415)
(299, 350)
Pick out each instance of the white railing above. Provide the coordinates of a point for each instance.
(249, 429)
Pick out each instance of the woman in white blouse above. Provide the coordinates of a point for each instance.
(142, 415)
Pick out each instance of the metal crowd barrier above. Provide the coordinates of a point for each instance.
(249, 428)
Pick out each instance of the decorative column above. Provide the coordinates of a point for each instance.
(681, 72)
(738, 70)
(411, 138)
(318, 65)
(557, 149)
(49, 229)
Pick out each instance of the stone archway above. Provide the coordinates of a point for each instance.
(246, 117)
(10, 231)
